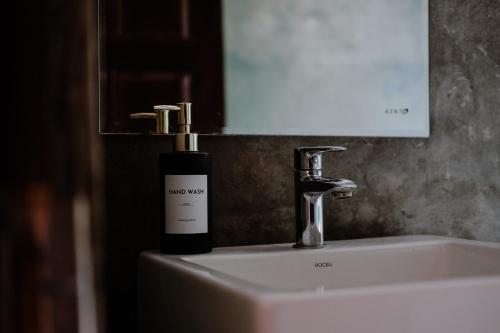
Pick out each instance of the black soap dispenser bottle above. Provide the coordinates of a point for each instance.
(185, 178)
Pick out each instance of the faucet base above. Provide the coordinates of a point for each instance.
(305, 247)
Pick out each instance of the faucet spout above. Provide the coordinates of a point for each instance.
(343, 188)
(322, 185)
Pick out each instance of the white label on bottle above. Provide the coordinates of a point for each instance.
(186, 204)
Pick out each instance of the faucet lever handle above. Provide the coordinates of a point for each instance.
(309, 158)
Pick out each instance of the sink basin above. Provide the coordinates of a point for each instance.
(394, 284)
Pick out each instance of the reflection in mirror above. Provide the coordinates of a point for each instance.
(336, 67)
(160, 52)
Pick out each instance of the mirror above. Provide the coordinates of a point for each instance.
(331, 67)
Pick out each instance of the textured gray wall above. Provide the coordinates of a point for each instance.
(448, 184)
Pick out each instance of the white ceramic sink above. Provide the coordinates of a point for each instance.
(391, 285)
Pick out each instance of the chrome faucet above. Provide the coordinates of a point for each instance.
(310, 187)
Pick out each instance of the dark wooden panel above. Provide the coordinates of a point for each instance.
(152, 16)
(148, 55)
(208, 84)
(149, 18)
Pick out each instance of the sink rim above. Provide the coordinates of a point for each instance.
(228, 282)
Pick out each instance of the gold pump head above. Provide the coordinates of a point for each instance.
(160, 114)
(183, 117)
(184, 139)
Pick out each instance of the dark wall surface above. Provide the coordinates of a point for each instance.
(448, 184)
